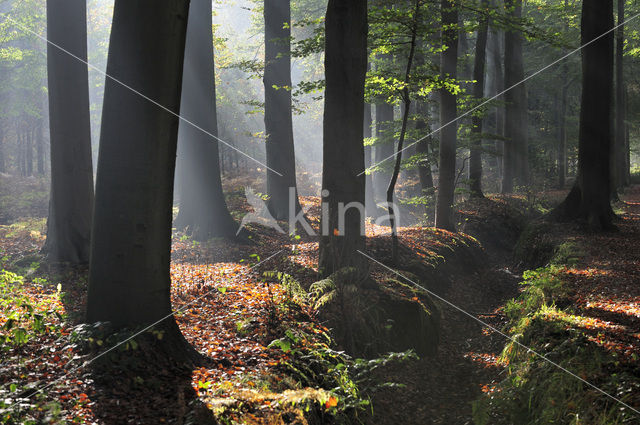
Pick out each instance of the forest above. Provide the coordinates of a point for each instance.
(310, 212)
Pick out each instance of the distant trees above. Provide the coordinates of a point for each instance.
(278, 108)
(71, 202)
(589, 199)
(342, 180)
(448, 113)
(129, 279)
(203, 210)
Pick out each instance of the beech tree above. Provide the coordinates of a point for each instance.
(342, 179)
(620, 165)
(515, 160)
(71, 199)
(448, 110)
(278, 122)
(129, 279)
(589, 199)
(475, 160)
(203, 210)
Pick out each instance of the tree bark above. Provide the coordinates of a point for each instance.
(515, 163)
(370, 201)
(422, 147)
(71, 199)
(129, 283)
(277, 107)
(589, 200)
(203, 209)
(448, 111)
(475, 160)
(620, 158)
(383, 148)
(342, 181)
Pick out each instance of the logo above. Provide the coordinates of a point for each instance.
(261, 215)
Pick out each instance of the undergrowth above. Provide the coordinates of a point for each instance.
(550, 360)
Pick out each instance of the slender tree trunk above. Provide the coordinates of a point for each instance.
(516, 163)
(620, 161)
(406, 100)
(495, 83)
(448, 111)
(40, 147)
(71, 199)
(562, 134)
(129, 283)
(370, 201)
(277, 107)
(562, 118)
(475, 160)
(29, 150)
(383, 148)
(422, 147)
(2, 162)
(342, 181)
(203, 210)
(589, 200)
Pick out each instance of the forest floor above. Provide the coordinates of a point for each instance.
(232, 313)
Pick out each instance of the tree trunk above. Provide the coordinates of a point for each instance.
(370, 201)
(589, 200)
(29, 149)
(383, 148)
(406, 101)
(562, 118)
(2, 164)
(475, 160)
(129, 283)
(277, 107)
(422, 147)
(515, 163)
(448, 111)
(71, 199)
(562, 134)
(620, 158)
(40, 147)
(342, 180)
(203, 210)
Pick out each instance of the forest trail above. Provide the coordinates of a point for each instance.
(604, 295)
(440, 389)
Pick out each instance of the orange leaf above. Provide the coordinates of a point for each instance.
(332, 402)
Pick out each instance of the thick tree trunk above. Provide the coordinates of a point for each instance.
(277, 107)
(515, 163)
(448, 110)
(475, 160)
(342, 180)
(71, 201)
(129, 283)
(383, 148)
(203, 210)
(589, 200)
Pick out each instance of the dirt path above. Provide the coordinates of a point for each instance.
(440, 390)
